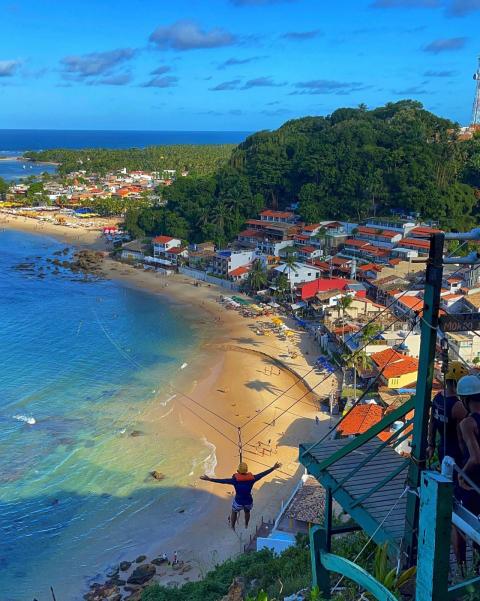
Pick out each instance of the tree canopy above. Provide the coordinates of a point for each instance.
(350, 165)
(199, 159)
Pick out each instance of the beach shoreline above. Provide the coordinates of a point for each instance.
(242, 379)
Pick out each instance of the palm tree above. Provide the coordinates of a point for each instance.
(369, 331)
(282, 284)
(257, 278)
(352, 361)
(343, 303)
(290, 262)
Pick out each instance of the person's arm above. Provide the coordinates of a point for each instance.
(261, 475)
(217, 480)
(459, 412)
(432, 435)
(468, 428)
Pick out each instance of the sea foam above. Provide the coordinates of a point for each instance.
(210, 462)
(28, 419)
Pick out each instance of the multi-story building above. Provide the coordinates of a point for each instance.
(465, 345)
(299, 273)
(162, 244)
(226, 261)
(421, 246)
(279, 216)
(383, 238)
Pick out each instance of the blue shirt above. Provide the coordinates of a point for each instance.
(243, 487)
(446, 426)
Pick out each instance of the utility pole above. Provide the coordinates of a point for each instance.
(423, 394)
(476, 102)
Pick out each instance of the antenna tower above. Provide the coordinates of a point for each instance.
(476, 102)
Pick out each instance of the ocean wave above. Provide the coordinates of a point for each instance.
(210, 462)
(170, 398)
(28, 419)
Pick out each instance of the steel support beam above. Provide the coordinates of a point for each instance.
(423, 395)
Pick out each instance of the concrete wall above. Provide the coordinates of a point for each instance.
(197, 274)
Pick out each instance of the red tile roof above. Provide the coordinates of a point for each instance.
(360, 419)
(422, 231)
(415, 242)
(176, 250)
(346, 329)
(394, 364)
(340, 261)
(383, 357)
(278, 214)
(323, 265)
(239, 271)
(312, 227)
(162, 239)
(412, 302)
(372, 231)
(250, 234)
(307, 249)
(369, 267)
(355, 242)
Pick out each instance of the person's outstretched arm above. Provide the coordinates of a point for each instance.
(217, 480)
(261, 475)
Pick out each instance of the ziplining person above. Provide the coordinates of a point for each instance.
(243, 482)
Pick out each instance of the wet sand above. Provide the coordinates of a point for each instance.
(259, 382)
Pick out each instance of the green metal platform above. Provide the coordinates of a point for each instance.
(367, 496)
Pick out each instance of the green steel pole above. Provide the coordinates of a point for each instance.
(434, 537)
(423, 394)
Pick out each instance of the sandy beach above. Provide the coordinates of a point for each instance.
(256, 382)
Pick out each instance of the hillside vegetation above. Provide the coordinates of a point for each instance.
(197, 159)
(353, 164)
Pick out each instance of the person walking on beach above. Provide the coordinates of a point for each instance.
(242, 482)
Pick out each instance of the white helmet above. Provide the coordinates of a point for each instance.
(468, 386)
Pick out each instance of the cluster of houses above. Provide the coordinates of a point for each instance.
(343, 276)
(81, 187)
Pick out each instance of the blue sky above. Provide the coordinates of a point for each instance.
(229, 64)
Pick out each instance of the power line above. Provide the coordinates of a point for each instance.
(208, 423)
(362, 396)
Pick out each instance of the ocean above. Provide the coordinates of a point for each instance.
(14, 169)
(40, 139)
(89, 373)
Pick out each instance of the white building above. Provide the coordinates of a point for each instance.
(301, 272)
(162, 244)
(465, 345)
(226, 261)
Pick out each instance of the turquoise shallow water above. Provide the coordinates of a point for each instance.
(15, 170)
(84, 365)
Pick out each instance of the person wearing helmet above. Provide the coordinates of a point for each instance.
(468, 390)
(447, 413)
(242, 482)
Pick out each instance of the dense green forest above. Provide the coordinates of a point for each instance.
(197, 159)
(353, 164)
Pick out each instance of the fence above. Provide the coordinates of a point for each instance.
(210, 279)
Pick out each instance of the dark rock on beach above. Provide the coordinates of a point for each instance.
(124, 565)
(157, 475)
(135, 433)
(140, 558)
(142, 574)
(103, 592)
